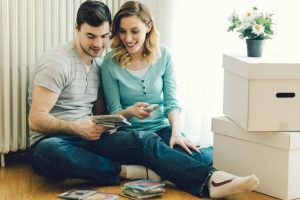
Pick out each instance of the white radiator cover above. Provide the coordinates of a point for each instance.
(27, 29)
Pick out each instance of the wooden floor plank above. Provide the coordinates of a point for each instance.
(18, 182)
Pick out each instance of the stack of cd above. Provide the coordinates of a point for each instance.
(143, 189)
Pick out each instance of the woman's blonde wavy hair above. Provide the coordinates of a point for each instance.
(151, 49)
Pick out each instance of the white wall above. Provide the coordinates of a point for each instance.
(196, 32)
(210, 18)
(162, 12)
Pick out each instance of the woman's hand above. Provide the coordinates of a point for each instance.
(137, 110)
(177, 139)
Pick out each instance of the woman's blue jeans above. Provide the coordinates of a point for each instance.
(70, 156)
(205, 156)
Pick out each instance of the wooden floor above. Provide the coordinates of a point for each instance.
(18, 182)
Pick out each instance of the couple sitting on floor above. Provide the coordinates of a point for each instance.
(66, 90)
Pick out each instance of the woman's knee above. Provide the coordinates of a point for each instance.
(146, 140)
(207, 155)
(143, 136)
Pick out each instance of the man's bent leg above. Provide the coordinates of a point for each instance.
(67, 157)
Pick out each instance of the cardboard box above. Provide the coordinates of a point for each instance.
(262, 94)
(274, 157)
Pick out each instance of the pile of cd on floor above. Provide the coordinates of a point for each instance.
(143, 189)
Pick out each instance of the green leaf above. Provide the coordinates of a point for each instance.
(231, 28)
(260, 20)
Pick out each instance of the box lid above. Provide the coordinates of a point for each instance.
(279, 67)
(284, 140)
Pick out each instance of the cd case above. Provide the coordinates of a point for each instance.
(77, 194)
(144, 185)
(111, 121)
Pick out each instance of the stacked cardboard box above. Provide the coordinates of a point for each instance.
(259, 133)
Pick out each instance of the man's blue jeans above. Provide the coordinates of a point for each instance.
(70, 156)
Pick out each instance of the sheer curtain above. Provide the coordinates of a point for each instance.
(196, 32)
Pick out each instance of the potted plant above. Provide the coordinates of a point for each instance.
(255, 26)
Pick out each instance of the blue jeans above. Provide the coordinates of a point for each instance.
(70, 156)
(205, 156)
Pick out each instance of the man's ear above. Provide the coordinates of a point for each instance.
(77, 27)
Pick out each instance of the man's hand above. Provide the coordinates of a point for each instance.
(88, 130)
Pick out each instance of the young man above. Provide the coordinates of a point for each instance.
(66, 143)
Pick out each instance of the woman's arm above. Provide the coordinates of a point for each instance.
(136, 110)
(176, 137)
(170, 101)
(172, 108)
(110, 88)
(112, 96)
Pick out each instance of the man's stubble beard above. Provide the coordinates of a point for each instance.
(88, 53)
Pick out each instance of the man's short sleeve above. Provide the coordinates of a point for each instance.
(52, 73)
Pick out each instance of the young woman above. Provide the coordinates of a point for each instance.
(139, 72)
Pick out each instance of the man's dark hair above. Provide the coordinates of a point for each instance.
(94, 13)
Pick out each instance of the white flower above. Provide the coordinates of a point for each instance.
(252, 24)
(247, 22)
(248, 18)
(249, 15)
(258, 29)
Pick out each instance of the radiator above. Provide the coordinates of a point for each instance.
(27, 29)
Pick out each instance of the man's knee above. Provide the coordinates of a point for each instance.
(49, 149)
(49, 145)
(45, 158)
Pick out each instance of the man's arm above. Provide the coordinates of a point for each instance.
(42, 121)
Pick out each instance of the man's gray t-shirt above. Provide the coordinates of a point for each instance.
(62, 71)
